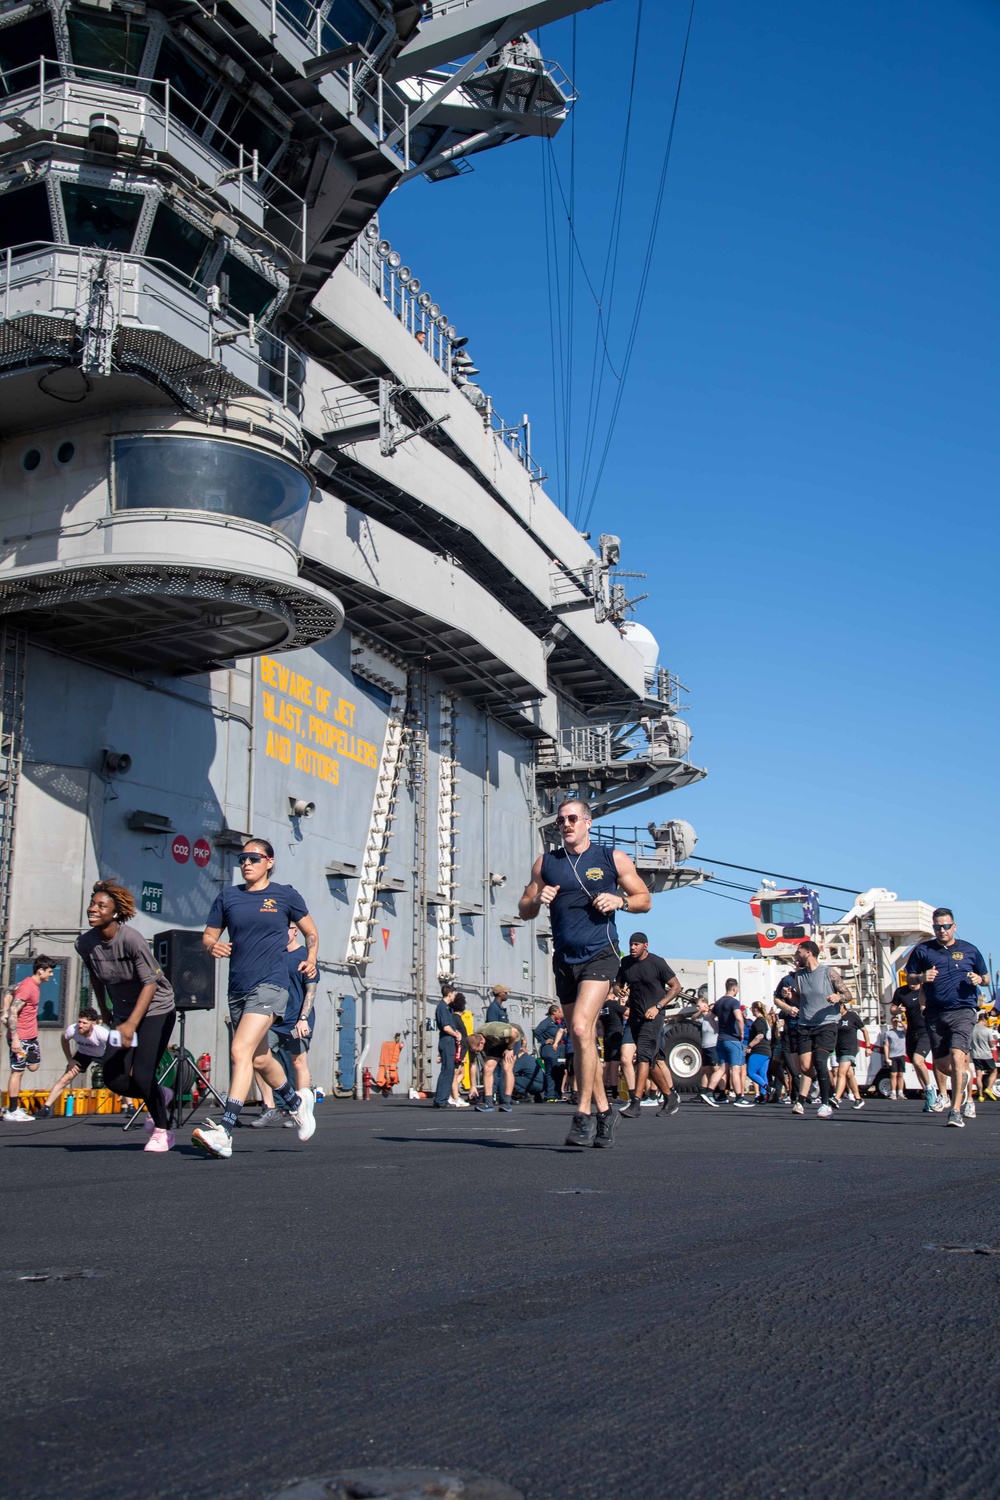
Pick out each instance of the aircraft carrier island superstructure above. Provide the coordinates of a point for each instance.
(270, 560)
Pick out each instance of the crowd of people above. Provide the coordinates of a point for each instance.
(603, 1035)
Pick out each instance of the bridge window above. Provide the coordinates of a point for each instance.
(249, 292)
(179, 244)
(206, 474)
(25, 219)
(249, 130)
(21, 46)
(192, 87)
(106, 44)
(100, 216)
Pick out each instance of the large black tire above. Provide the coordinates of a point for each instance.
(681, 1046)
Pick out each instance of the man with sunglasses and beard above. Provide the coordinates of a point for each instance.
(257, 915)
(584, 885)
(950, 972)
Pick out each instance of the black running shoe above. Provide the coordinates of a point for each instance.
(583, 1131)
(606, 1126)
(671, 1103)
(45, 1113)
(632, 1109)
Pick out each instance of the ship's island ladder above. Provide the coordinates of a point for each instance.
(447, 835)
(379, 831)
(12, 656)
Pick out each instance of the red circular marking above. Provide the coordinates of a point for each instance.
(180, 849)
(202, 852)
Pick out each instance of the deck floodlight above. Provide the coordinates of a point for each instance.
(404, 275)
(104, 135)
(382, 249)
(394, 259)
(414, 284)
(424, 300)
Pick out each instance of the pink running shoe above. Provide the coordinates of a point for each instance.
(147, 1123)
(159, 1140)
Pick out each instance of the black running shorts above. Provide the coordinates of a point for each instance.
(918, 1043)
(646, 1036)
(569, 977)
(818, 1038)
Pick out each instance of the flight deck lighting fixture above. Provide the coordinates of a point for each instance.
(333, 61)
(104, 135)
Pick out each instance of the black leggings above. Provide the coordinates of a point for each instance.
(821, 1067)
(132, 1070)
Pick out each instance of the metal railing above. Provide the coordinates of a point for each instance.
(240, 177)
(374, 261)
(275, 365)
(380, 267)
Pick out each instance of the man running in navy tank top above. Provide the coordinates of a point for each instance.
(579, 883)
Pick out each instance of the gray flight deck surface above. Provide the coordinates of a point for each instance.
(726, 1304)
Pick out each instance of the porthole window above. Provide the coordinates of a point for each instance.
(65, 453)
(31, 459)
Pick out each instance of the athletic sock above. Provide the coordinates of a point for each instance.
(231, 1114)
(287, 1097)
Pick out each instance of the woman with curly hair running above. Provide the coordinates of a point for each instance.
(135, 998)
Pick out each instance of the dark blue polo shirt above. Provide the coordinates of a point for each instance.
(497, 1011)
(951, 990)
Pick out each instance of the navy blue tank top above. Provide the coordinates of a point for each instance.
(579, 930)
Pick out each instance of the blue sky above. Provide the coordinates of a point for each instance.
(806, 458)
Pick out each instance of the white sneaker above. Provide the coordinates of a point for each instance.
(969, 1110)
(824, 1112)
(18, 1114)
(940, 1104)
(304, 1116)
(213, 1139)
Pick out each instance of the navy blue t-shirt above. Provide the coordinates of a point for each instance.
(724, 1011)
(257, 922)
(951, 990)
(579, 930)
(445, 1016)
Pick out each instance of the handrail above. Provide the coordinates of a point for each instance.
(284, 361)
(45, 88)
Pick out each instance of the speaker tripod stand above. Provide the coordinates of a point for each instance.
(186, 1074)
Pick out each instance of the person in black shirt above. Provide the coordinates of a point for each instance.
(652, 984)
(450, 1037)
(612, 1029)
(918, 1042)
(850, 1026)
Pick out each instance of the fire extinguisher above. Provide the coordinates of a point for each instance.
(366, 1083)
(204, 1065)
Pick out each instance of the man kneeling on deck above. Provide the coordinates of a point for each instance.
(496, 1040)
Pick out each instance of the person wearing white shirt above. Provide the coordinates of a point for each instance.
(85, 1042)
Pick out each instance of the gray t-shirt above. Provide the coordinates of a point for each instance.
(811, 991)
(982, 1042)
(897, 1041)
(123, 967)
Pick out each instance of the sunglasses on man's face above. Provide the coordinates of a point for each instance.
(569, 818)
(943, 926)
(250, 859)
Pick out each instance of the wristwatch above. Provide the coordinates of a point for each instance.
(624, 903)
